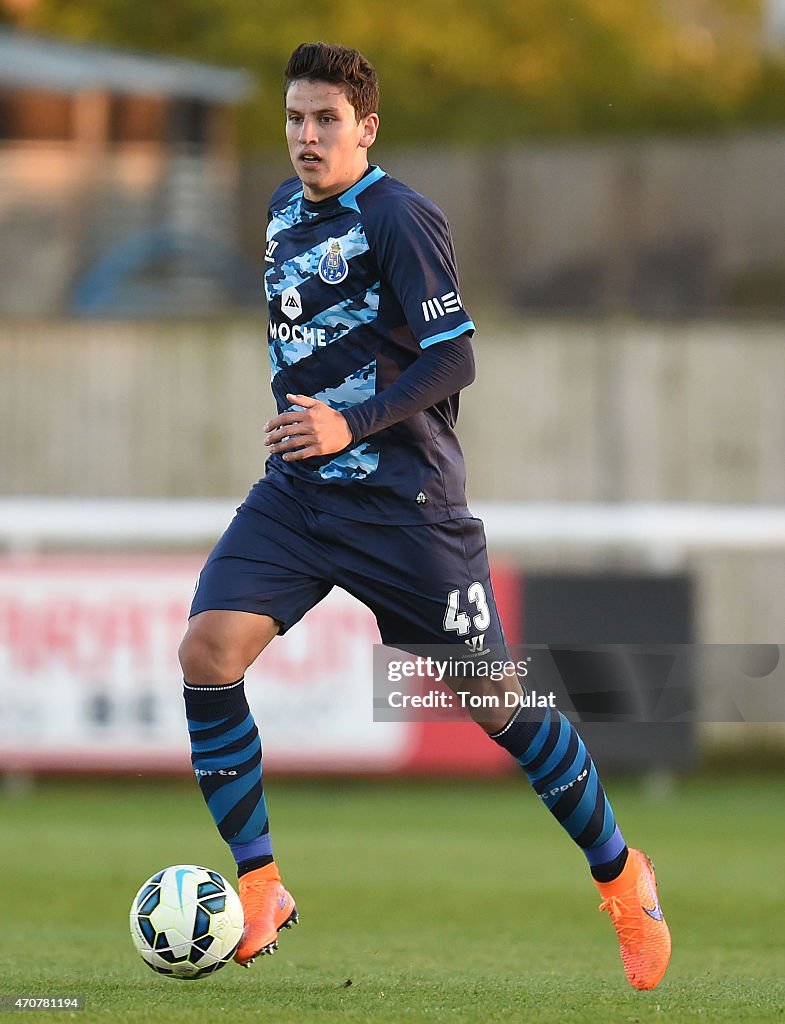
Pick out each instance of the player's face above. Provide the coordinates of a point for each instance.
(327, 145)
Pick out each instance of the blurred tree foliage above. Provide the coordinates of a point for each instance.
(462, 70)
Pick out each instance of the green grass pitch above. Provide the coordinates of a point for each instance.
(460, 902)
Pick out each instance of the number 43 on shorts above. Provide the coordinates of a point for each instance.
(458, 621)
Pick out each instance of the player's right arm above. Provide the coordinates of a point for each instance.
(318, 429)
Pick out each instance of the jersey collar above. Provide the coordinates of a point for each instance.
(347, 199)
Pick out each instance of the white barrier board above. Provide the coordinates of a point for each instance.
(89, 677)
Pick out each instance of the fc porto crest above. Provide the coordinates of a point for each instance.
(333, 268)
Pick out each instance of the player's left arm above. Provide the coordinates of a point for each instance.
(441, 370)
(316, 428)
(413, 245)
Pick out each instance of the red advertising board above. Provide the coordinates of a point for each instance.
(89, 679)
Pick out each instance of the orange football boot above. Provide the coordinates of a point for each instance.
(267, 908)
(644, 938)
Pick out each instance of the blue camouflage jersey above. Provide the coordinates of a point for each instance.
(357, 286)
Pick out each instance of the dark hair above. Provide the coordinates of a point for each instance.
(325, 62)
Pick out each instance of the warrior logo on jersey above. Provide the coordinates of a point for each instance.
(333, 268)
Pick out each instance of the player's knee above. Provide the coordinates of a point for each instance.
(207, 660)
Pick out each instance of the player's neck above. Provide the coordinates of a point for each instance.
(321, 195)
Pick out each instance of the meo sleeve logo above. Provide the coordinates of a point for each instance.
(434, 308)
(333, 268)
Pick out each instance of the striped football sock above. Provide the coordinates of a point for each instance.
(226, 754)
(561, 770)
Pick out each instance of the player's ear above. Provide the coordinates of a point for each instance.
(370, 126)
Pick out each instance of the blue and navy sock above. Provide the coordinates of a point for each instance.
(226, 754)
(561, 770)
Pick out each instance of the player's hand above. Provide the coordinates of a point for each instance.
(317, 429)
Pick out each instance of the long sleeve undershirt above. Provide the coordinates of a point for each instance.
(442, 370)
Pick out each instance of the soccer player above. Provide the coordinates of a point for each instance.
(370, 345)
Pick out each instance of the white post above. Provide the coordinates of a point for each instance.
(774, 24)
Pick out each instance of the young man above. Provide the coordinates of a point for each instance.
(370, 345)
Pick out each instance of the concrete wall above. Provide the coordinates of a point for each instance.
(559, 411)
(615, 411)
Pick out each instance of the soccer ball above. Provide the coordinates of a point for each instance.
(186, 921)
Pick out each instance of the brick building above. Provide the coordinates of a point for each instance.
(118, 180)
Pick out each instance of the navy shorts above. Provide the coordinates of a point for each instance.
(426, 584)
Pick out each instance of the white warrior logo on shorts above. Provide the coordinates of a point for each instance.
(333, 268)
(476, 644)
